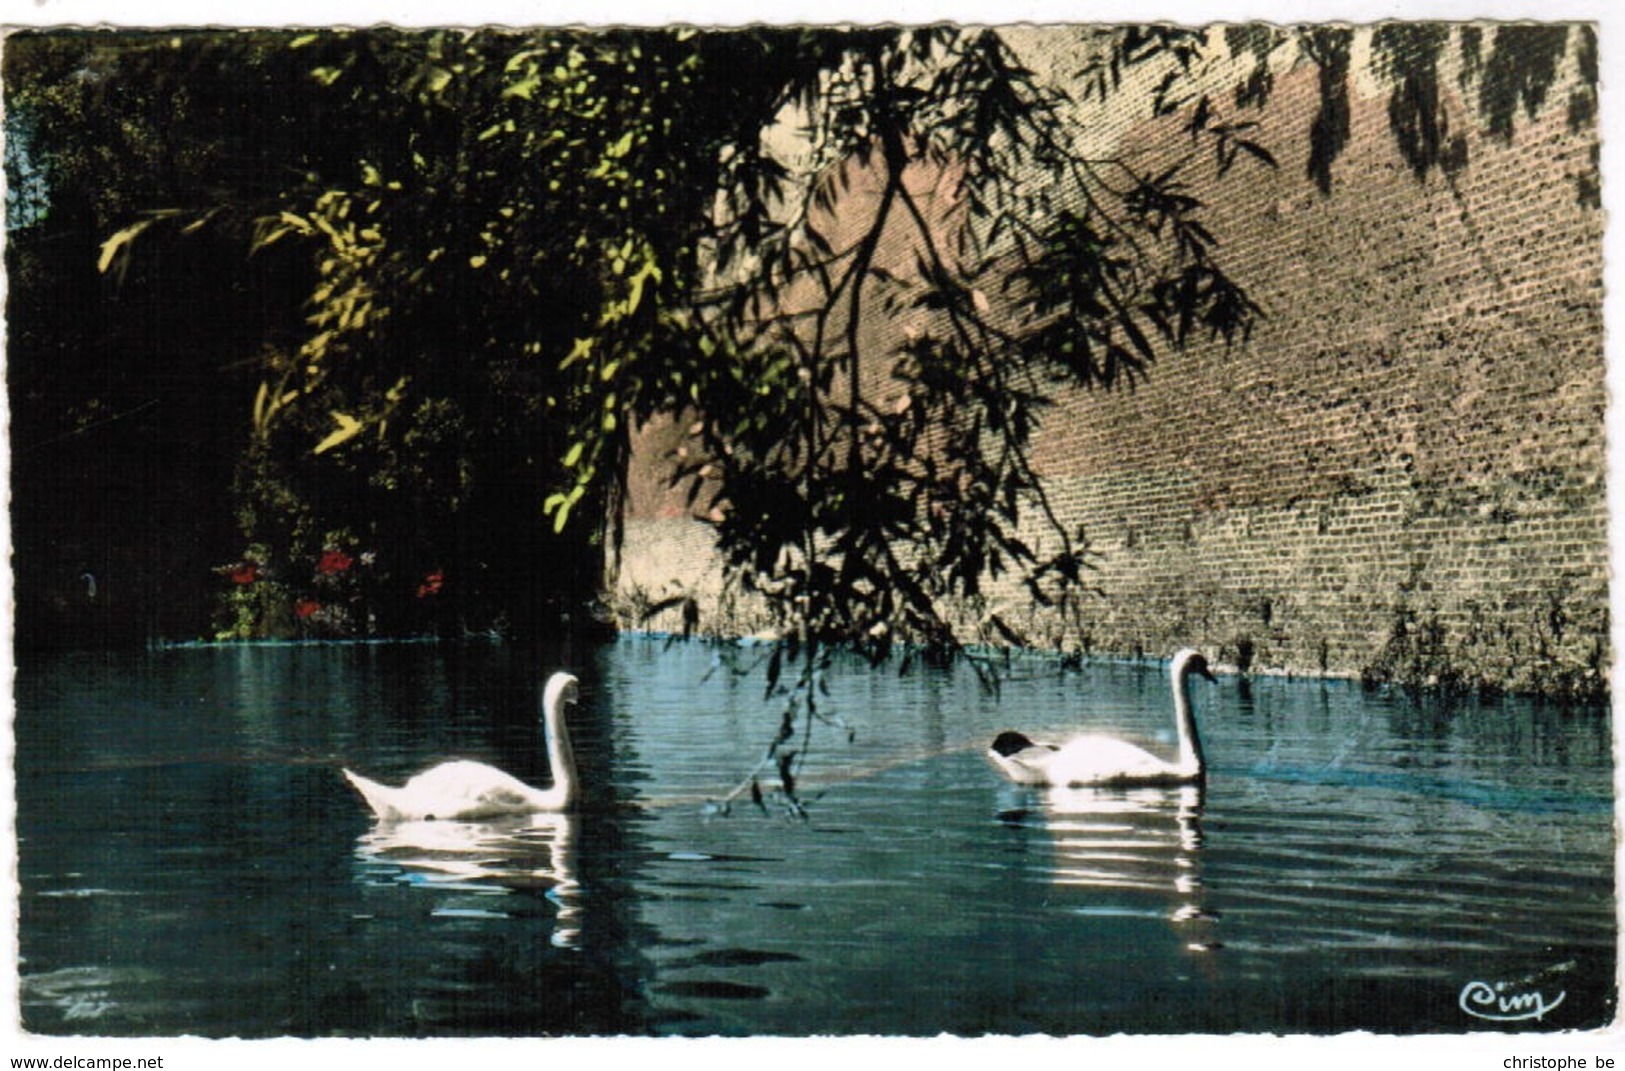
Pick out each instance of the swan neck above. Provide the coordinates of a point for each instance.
(1190, 741)
(560, 754)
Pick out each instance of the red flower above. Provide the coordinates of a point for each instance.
(305, 607)
(431, 584)
(244, 573)
(333, 562)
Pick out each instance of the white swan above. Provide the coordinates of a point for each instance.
(470, 791)
(1096, 759)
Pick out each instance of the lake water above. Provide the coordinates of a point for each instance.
(191, 862)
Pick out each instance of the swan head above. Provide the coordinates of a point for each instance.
(562, 688)
(1009, 742)
(1189, 661)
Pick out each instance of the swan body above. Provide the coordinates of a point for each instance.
(470, 791)
(1099, 759)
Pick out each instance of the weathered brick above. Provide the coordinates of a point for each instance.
(1414, 433)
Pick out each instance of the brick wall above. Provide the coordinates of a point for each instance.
(1401, 473)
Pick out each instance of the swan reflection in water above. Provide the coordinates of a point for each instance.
(507, 854)
(1125, 843)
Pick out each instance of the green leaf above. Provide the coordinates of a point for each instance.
(580, 351)
(437, 79)
(526, 88)
(117, 248)
(348, 428)
(650, 270)
(560, 504)
(261, 404)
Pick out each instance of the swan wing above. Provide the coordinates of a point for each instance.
(1105, 760)
(463, 790)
